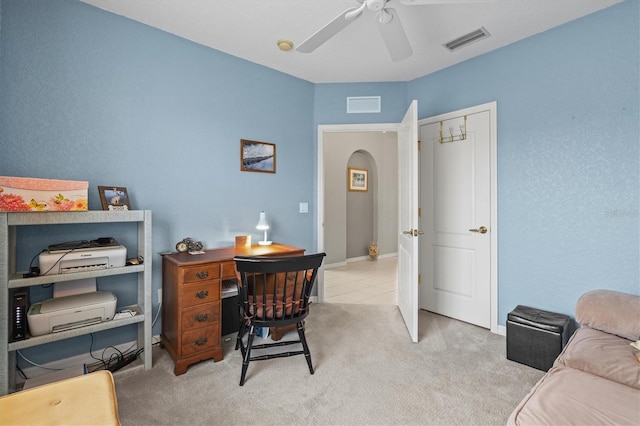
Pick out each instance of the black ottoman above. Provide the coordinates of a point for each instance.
(536, 337)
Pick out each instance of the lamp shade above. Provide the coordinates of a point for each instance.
(262, 223)
(263, 226)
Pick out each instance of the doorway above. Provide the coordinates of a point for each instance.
(336, 144)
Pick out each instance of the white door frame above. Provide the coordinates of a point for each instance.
(492, 107)
(333, 128)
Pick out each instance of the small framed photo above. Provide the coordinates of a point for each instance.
(358, 179)
(257, 156)
(114, 198)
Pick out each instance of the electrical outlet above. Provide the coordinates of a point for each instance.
(159, 295)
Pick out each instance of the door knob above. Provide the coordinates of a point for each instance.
(482, 230)
(413, 232)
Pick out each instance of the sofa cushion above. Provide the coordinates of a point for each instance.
(565, 396)
(610, 311)
(602, 354)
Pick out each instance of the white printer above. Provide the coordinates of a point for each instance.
(68, 312)
(80, 260)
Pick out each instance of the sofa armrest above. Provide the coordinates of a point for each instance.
(610, 311)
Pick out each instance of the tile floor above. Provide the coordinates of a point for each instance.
(372, 282)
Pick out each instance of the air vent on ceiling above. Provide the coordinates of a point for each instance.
(363, 104)
(466, 39)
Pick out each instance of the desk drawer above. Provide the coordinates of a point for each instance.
(200, 273)
(199, 293)
(200, 316)
(200, 339)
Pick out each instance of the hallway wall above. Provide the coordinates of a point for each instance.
(338, 148)
(362, 217)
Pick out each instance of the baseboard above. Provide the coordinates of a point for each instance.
(73, 361)
(357, 259)
(335, 265)
(502, 330)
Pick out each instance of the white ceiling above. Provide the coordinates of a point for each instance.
(249, 29)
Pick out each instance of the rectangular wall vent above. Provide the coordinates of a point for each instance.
(363, 104)
(467, 39)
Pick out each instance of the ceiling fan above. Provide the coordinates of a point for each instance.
(389, 25)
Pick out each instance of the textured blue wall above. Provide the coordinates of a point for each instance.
(88, 95)
(568, 155)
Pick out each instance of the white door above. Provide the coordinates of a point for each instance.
(408, 219)
(456, 194)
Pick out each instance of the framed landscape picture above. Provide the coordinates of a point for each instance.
(257, 156)
(358, 179)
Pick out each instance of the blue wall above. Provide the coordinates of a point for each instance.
(568, 155)
(88, 95)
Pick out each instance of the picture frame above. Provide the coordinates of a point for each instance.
(257, 156)
(114, 198)
(358, 179)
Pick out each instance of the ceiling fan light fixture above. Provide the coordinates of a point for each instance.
(285, 45)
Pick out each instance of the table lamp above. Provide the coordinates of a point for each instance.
(263, 226)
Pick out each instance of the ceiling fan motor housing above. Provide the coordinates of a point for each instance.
(376, 5)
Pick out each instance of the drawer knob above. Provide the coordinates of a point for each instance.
(201, 341)
(202, 275)
(202, 294)
(202, 317)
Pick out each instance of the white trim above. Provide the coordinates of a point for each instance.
(357, 259)
(492, 107)
(335, 265)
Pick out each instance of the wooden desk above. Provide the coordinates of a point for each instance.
(191, 300)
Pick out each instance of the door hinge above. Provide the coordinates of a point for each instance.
(419, 145)
(419, 212)
(419, 279)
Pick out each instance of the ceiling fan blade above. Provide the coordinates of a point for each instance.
(394, 37)
(326, 32)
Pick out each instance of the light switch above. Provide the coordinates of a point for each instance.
(304, 207)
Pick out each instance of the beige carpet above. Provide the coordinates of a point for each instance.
(367, 372)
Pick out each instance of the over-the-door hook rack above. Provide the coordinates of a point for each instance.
(452, 138)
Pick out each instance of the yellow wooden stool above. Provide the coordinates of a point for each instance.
(89, 399)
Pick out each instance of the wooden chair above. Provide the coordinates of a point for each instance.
(274, 292)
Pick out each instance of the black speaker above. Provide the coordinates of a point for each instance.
(18, 307)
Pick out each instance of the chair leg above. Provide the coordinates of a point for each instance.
(305, 347)
(241, 331)
(247, 354)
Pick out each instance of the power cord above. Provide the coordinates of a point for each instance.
(35, 364)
